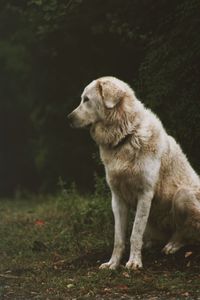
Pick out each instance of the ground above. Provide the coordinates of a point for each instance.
(51, 248)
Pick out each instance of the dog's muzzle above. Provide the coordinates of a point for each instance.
(76, 122)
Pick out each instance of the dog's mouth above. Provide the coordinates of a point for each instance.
(80, 126)
(88, 126)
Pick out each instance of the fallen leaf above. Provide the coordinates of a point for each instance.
(186, 294)
(108, 290)
(188, 264)
(187, 254)
(126, 274)
(122, 287)
(39, 222)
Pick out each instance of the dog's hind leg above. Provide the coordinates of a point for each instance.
(153, 236)
(176, 242)
(186, 217)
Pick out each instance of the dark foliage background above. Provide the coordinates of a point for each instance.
(50, 49)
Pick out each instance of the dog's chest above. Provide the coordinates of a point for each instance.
(124, 173)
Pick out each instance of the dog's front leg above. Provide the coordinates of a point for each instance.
(120, 215)
(140, 222)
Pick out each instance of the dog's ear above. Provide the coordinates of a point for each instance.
(110, 93)
(100, 89)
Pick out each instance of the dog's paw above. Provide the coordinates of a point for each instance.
(109, 265)
(134, 264)
(171, 247)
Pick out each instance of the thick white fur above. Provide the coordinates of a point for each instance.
(145, 168)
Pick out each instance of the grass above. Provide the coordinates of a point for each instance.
(51, 247)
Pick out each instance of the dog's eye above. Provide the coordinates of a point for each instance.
(86, 99)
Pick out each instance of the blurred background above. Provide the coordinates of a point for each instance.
(51, 49)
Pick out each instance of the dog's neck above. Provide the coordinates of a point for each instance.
(110, 136)
(118, 129)
(121, 142)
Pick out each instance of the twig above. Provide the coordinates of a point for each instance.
(10, 276)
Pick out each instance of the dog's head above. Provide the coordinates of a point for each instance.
(98, 99)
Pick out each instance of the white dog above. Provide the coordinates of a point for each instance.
(145, 168)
